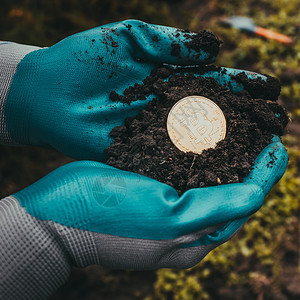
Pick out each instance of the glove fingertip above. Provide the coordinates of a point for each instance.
(163, 44)
(269, 166)
(197, 44)
(257, 85)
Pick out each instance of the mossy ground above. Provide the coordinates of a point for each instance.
(262, 261)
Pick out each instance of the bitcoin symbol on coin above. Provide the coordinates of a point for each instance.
(196, 123)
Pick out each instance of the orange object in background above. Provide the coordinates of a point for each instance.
(272, 35)
(246, 24)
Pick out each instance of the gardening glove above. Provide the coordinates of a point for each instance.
(89, 213)
(58, 97)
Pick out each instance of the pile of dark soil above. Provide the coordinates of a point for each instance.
(143, 146)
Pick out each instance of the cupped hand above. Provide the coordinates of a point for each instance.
(124, 220)
(59, 96)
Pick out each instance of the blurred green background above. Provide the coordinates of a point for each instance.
(262, 261)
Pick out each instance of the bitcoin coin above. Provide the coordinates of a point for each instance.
(196, 123)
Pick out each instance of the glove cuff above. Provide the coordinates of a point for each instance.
(33, 262)
(10, 56)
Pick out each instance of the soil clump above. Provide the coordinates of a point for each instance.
(142, 144)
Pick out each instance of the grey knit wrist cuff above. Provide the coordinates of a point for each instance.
(33, 263)
(10, 56)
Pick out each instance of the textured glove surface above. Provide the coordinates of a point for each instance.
(59, 96)
(139, 211)
(89, 213)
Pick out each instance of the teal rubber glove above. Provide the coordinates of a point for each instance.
(58, 97)
(89, 213)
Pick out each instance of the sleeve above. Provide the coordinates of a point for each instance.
(33, 263)
(10, 56)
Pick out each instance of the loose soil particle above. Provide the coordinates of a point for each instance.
(143, 146)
